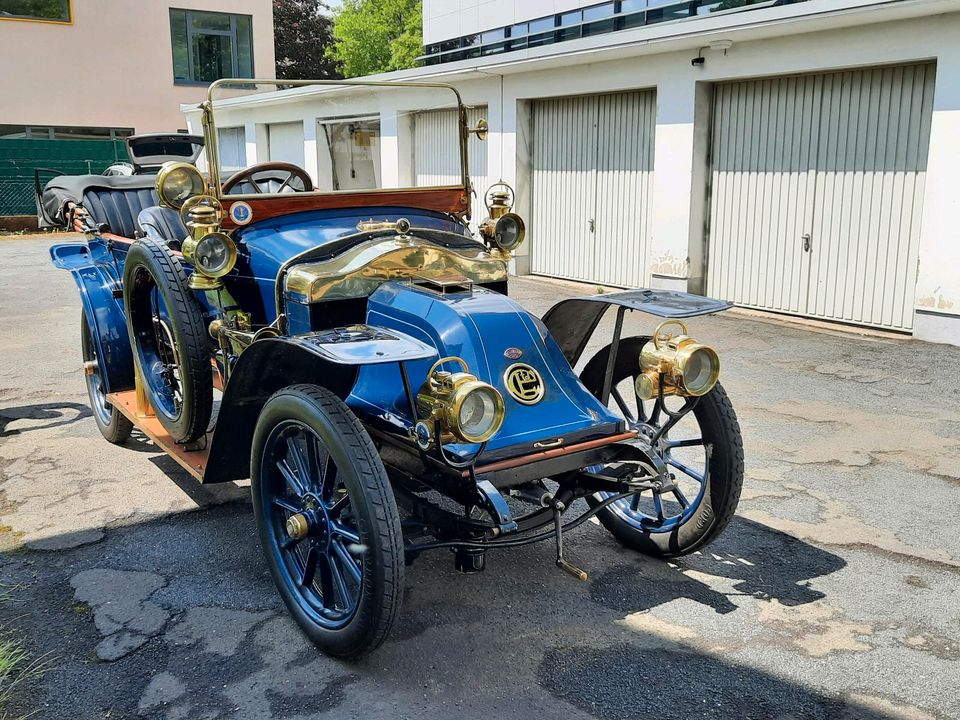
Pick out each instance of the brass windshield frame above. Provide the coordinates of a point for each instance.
(212, 150)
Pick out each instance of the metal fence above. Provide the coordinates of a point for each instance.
(20, 157)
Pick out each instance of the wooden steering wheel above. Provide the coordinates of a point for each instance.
(247, 174)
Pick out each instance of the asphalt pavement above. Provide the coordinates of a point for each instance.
(833, 593)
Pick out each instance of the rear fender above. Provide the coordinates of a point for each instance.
(331, 359)
(100, 294)
(572, 322)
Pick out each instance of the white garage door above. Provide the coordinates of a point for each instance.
(817, 191)
(286, 142)
(592, 179)
(231, 145)
(437, 153)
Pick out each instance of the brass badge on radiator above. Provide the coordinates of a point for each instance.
(523, 383)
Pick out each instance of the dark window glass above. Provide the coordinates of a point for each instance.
(569, 25)
(598, 19)
(670, 12)
(209, 46)
(52, 10)
(493, 49)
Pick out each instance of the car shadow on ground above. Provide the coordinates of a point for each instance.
(571, 654)
(58, 413)
(761, 562)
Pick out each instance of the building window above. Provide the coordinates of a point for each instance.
(43, 10)
(44, 132)
(208, 46)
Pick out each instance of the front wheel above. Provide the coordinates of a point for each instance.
(327, 519)
(695, 511)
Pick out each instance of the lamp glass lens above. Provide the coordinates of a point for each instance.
(477, 413)
(508, 232)
(181, 184)
(212, 254)
(699, 371)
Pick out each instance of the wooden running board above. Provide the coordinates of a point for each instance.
(193, 461)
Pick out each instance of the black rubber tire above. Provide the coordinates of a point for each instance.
(373, 503)
(113, 424)
(148, 258)
(719, 425)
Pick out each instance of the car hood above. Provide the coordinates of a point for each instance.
(491, 333)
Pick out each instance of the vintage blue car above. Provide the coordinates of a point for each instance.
(356, 354)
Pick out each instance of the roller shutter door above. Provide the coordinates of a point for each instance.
(817, 192)
(592, 180)
(437, 153)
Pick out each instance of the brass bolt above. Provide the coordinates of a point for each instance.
(90, 367)
(297, 526)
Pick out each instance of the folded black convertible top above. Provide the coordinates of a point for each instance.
(71, 188)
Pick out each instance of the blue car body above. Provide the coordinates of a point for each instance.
(479, 326)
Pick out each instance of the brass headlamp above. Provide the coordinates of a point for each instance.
(177, 182)
(678, 363)
(459, 405)
(505, 229)
(211, 252)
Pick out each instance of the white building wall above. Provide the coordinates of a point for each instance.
(677, 231)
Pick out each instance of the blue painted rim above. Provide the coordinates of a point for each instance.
(95, 385)
(299, 475)
(155, 345)
(629, 510)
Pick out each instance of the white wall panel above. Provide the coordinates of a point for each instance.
(838, 157)
(286, 142)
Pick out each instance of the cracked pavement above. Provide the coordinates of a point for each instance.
(833, 594)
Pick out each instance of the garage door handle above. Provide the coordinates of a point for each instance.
(806, 242)
(593, 225)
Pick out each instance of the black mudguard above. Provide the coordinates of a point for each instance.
(331, 359)
(572, 322)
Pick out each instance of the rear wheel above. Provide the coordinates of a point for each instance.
(113, 425)
(327, 519)
(169, 339)
(685, 518)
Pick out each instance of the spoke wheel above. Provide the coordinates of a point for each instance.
(327, 519)
(169, 338)
(113, 425)
(688, 434)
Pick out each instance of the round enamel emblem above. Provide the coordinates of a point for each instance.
(524, 384)
(241, 213)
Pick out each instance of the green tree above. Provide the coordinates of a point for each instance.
(302, 32)
(374, 36)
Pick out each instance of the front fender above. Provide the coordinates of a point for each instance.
(102, 300)
(571, 322)
(331, 359)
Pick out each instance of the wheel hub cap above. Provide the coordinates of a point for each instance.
(297, 526)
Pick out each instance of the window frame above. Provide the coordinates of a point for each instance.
(27, 18)
(191, 33)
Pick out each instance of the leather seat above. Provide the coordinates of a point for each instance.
(162, 224)
(118, 208)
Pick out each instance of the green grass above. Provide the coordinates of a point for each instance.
(16, 664)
